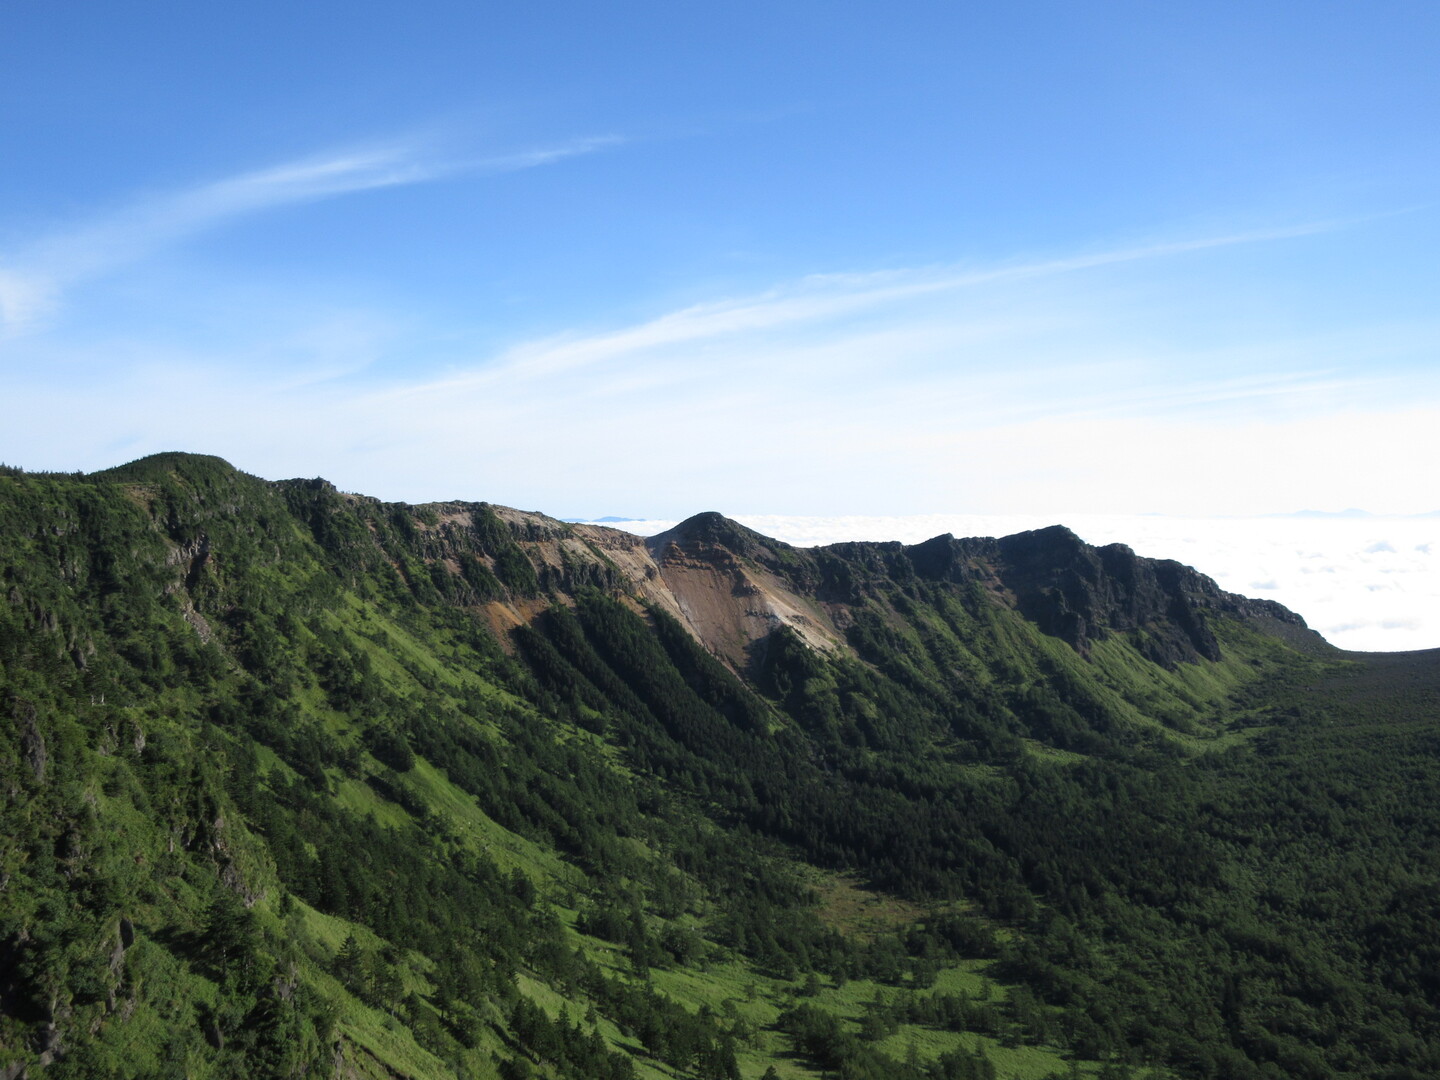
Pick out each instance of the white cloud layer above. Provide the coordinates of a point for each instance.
(1369, 584)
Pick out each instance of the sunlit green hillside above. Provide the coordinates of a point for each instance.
(296, 783)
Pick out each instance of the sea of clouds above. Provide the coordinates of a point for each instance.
(1365, 583)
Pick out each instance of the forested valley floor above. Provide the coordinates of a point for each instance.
(296, 783)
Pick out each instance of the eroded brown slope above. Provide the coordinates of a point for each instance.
(732, 588)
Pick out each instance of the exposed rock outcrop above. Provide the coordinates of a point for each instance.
(732, 587)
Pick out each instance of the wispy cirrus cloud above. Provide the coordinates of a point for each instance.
(545, 155)
(33, 278)
(831, 297)
(1085, 381)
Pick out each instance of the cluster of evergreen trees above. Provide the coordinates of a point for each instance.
(270, 784)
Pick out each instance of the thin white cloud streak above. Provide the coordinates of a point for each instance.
(821, 297)
(530, 159)
(893, 392)
(841, 416)
(138, 230)
(33, 281)
(1003, 426)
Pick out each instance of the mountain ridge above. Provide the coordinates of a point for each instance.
(303, 783)
(1063, 602)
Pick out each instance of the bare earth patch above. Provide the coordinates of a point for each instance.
(858, 912)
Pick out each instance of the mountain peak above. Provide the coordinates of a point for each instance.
(154, 467)
(712, 529)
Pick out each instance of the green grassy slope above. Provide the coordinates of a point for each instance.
(278, 802)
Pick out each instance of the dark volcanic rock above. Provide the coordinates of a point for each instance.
(1081, 593)
(703, 534)
(1068, 588)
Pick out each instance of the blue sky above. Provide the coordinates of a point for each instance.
(648, 259)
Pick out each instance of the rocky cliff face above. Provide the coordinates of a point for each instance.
(1080, 593)
(732, 587)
